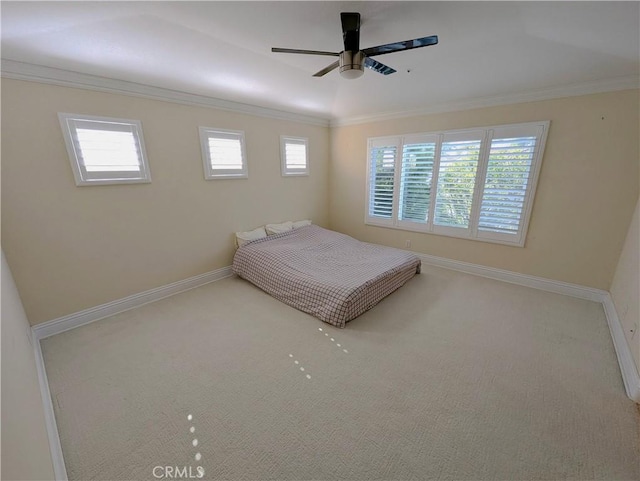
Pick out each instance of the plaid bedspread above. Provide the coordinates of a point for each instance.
(327, 274)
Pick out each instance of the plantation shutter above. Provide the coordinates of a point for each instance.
(294, 152)
(226, 152)
(416, 178)
(107, 147)
(473, 184)
(382, 168)
(223, 153)
(511, 162)
(104, 150)
(457, 169)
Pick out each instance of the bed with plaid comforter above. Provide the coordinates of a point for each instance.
(329, 275)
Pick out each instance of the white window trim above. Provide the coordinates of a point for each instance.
(80, 174)
(283, 156)
(472, 232)
(216, 174)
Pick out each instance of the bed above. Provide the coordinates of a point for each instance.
(327, 274)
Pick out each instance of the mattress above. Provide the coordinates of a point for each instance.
(329, 275)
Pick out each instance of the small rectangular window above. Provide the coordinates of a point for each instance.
(223, 153)
(294, 152)
(105, 150)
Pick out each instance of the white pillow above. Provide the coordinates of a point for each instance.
(279, 228)
(243, 238)
(301, 223)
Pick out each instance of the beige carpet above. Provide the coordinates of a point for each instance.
(451, 377)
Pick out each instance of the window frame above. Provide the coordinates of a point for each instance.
(68, 124)
(285, 171)
(218, 174)
(472, 232)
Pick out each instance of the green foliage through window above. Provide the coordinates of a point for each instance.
(382, 187)
(417, 173)
(429, 182)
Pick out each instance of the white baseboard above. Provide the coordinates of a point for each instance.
(630, 376)
(559, 287)
(59, 469)
(628, 367)
(71, 321)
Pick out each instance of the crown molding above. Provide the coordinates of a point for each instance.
(66, 78)
(572, 90)
(39, 73)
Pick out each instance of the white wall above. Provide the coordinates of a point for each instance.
(625, 289)
(25, 447)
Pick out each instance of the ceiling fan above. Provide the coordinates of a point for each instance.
(352, 60)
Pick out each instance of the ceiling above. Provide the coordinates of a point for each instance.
(223, 49)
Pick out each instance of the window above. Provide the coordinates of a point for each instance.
(476, 184)
(104, 150)
(223, 154)
(294, 152)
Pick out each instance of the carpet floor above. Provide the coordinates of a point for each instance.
(451, 377)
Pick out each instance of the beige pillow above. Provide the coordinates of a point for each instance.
(301, 223)
(243, 238)
(279, 228)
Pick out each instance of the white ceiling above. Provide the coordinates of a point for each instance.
(223, 49)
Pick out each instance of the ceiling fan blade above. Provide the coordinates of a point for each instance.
(307, 52)
(327, 69)
(351, 31)
(378, 67)
(398, 46)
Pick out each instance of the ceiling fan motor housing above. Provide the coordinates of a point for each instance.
(351, 64)
(352, 61)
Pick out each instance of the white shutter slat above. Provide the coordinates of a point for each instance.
(105, 150)
(382, 163)
(295, 155)
(415, 181)
(223, 153)
(108, 150)
(503, 200)
(456, 182)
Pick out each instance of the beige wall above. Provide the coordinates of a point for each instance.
(72, 248)
(25, 447)
(625, 289)
(586, 193)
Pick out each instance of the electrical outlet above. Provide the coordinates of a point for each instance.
(407, 243)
